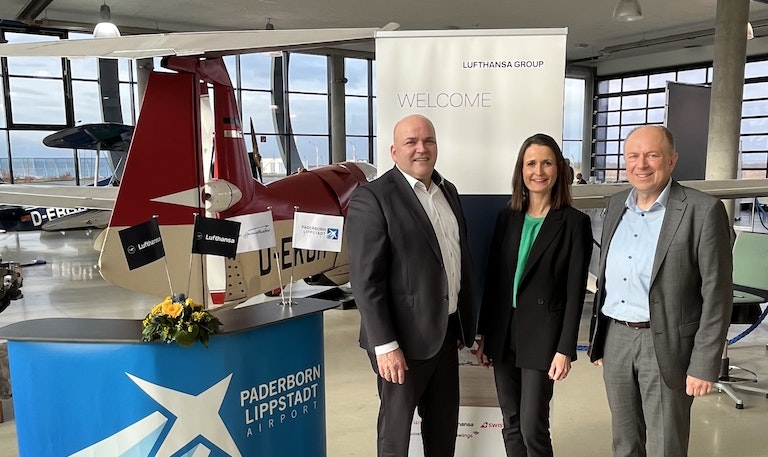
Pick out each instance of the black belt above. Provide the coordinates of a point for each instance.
(633, 324)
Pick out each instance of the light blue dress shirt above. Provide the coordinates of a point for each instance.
(630, 259)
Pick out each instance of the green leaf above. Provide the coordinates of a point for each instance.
(185, 337)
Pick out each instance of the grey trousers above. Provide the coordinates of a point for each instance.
(647, 417)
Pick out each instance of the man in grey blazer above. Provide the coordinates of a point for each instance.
(411, 276)
(664, 300)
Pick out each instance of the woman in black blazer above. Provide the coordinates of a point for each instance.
(534, 293)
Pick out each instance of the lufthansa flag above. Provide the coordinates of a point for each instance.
(215, 236)
(142, 244)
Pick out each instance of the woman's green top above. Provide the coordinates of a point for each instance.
(531, 228)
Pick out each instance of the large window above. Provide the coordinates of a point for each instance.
(754, 121)
(623, 103)
(573, 123)
(256, 104)
(43, 95)
(359, 106)
(291, 115)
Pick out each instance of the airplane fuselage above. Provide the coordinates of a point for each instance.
(25, 218)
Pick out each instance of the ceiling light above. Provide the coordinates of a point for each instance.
(105, 28)
(270, 25)
(628, 10)
(750, 31)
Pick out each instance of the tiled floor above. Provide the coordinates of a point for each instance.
(68, 285)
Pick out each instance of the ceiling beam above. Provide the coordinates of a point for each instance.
(32, 9)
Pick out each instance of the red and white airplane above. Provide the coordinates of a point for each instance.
(165, 176)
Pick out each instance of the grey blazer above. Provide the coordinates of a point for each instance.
(691, 290)
(396, 269)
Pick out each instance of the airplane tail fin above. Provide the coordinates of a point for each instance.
(163, 177)
(166, 176)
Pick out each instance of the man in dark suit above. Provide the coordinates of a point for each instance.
(664, 300)
(411, 276)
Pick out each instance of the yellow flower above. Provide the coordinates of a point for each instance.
(192, 304)
(182, 321)
(172, 309)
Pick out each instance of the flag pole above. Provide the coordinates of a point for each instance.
(280, 278)
(165, 258)
(189, 268)
(293, 258)
(277, 266)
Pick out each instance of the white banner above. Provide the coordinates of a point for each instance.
(257, 231)
(485, 91)
(478, 433)
(317, 231)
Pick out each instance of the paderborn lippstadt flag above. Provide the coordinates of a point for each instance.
(317, 231)
(142, 244)
(215, 236)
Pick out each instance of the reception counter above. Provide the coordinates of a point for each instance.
(89, 387)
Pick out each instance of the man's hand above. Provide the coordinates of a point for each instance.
(392, 366)
(696, 387)
(598, 363)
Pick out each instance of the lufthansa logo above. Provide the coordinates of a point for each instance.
(131, 249)
(199, 235)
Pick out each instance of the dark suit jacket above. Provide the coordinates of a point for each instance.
(396, 270)
(551, 292)
(691, 290)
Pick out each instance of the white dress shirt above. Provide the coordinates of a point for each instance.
(446, 229)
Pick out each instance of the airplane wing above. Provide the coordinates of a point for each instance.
(87, 218)
(58, 196)
(207, 44)
(103, 136)
(586, 196)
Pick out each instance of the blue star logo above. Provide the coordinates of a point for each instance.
(196, 416)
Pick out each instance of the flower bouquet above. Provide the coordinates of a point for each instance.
(179, 319)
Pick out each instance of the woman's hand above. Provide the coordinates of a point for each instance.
(482, 359)
(561, 365)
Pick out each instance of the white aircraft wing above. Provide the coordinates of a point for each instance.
(58, 196)
(588, 196)
(87, 218)
(731, 188)
(585, 196)
(208, 44)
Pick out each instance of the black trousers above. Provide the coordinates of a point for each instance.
(432, 387)
(524, 395)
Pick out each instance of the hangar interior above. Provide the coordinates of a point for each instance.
(617, 74)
